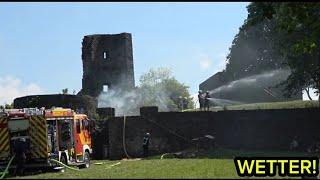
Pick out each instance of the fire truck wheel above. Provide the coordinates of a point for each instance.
(86, 160)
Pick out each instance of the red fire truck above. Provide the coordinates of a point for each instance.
(56, 133)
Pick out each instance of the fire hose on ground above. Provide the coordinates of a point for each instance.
(6, 170)
(172, 133)
(164, 128)
(123, 141)
(163, 155)
(123, 137)
(58, 162)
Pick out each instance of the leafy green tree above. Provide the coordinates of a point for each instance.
(252, 50)
(299, 43)
(301, 24)
(8, 106)
(160, 88)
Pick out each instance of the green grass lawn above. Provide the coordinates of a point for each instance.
(269, 105)
(210, 164)
(155, 168)
(276, 105)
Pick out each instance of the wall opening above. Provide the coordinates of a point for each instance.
(105, 88)
(105, 55)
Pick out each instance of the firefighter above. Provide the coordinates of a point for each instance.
(201, 100)
(294, 144)
(145, 146)
(207, 101)
(20, 156)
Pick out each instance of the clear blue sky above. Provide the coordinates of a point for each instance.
(40, 43)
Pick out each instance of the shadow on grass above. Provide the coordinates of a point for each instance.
(29, 172)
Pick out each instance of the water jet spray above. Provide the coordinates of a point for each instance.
(256, 88)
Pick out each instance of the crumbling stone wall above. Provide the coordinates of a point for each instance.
(107, 60)
(100, 138)
(242, 129)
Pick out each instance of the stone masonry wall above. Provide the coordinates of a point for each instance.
(246, 130)
(107, 60)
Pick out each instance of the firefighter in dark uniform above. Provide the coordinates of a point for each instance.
(146, 142)
(207, 101)
(20, 155)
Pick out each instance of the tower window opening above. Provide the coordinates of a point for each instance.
(105, 88)
(105, 55)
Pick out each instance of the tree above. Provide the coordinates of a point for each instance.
(252, 51)
(155, 76)
(299, 25)
(8, 106)
(300, 22)
(308, 92)
(159, 87)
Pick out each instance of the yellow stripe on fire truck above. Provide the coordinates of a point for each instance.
(4, 136)
(38, 135)
(33, 136)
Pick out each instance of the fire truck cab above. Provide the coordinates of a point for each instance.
(56, 133)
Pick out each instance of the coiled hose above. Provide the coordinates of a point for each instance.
(6, 170)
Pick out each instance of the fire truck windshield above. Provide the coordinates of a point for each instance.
(16, 125)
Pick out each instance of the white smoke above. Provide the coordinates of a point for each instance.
(129, 102)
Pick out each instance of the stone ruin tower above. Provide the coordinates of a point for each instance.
(107, 63)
